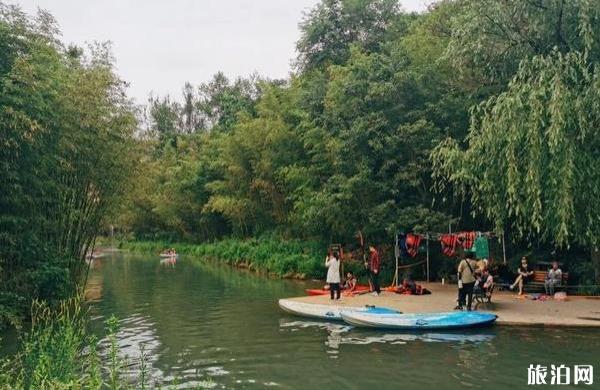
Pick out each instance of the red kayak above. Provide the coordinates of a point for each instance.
(321, 291)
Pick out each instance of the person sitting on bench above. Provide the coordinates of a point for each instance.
(484, 281)
(553, 279)
(524, 275)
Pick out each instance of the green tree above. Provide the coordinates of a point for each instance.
(532, 159)
(252, 158)
(332, 26)
(65, 128)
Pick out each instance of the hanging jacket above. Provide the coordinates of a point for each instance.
(412, 244)
(448, 242)
(402, 245)
(466, 239)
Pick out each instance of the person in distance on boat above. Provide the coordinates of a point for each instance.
(553, 279)
(525, 275)
(373, 267)
(350, 283)
(332, 263)
(466, 282)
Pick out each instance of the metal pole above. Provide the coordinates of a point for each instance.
(503, 249)
(427, 257)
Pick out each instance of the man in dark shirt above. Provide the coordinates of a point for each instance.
(374, 270)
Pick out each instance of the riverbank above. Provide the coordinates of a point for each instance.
(290, 259)
(511, 309)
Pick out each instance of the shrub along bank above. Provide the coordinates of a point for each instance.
(284, 258)
(298, 259)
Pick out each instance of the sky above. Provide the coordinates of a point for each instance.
(160, 44)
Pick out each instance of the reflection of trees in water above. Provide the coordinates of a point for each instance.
(474, 360)
(93, 288)
(196, 312)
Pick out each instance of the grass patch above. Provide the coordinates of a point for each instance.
(284, 258)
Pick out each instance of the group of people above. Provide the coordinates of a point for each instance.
(525, 274)
(169, 252)
(332, 262)
(474, 276)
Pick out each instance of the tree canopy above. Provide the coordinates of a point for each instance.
(483, 114)
(467, 113)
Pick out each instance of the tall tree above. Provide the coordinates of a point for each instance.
(332, 26)
(532, 158)
(65, 129)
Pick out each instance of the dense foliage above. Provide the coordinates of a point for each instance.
(479, 114)
(65, 127)
(287, 259)
(58, 352)
(532, 161)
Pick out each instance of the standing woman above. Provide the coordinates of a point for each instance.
(333, 274)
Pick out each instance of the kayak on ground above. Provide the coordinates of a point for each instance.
(444, 320)
(321, 291)
(326, 312)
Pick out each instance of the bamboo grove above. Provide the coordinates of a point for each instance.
(65, 134)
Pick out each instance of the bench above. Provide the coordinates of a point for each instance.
(539, 277)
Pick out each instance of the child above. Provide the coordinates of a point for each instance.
(350, 283)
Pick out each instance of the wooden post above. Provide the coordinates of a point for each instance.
(503, 249)
(427, 244)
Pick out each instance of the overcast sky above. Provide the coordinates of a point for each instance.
(161, 44)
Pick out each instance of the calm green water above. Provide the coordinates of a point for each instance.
(211, 325)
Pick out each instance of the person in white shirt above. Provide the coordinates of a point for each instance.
(333, 274)
(553, 279)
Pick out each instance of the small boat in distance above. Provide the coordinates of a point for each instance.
(169, 253)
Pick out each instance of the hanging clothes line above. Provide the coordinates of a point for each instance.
(408, 245)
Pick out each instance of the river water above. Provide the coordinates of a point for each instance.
(208, 325)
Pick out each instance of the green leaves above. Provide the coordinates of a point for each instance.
(532, 149)
(65, 130)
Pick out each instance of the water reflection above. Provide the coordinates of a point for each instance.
(211, 326)
(340, 334)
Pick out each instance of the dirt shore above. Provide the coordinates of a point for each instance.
(510, 308)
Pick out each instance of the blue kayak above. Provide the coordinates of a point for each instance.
(446, 320)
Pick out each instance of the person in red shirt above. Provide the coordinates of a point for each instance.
(374, 270)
